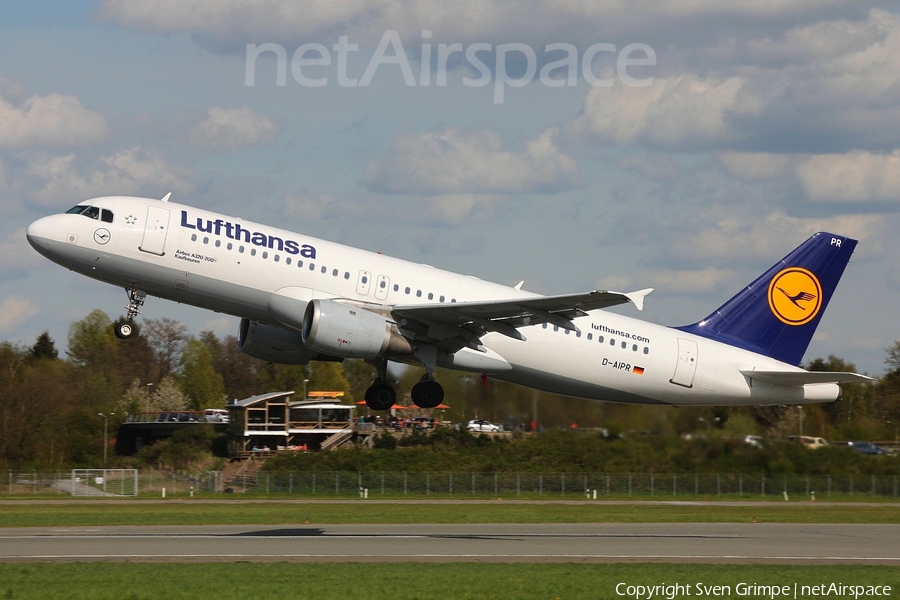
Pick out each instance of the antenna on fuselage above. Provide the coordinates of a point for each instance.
(166, 197)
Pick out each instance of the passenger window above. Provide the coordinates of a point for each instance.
(600, 338)
(406, 290)
(544, 325)
(418, 293)
(287, 260)
(612, 342)
(590, 336)
(265, 254)
(229, 246)
(430, 296)
(107, 216)
(193, 237)
(252, 251)
(441, 298)
(334, 273)
(383, 284)
(277, 257)
(646, 350)
(556, 328)
(346, 274)
(312, 266)
(365, 279)
(241, 249)
(396, 288)
(634, 348)
(218, 243)
(324, 270)
(299, 264)
(206, 240)
(624, 345)
(577, 334)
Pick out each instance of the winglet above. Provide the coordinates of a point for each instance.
(166, 197)
(519, 285)
(637, 298)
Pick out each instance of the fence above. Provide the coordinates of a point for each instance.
(476, 485)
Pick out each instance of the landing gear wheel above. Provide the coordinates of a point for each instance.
(380, 396)
(427, 394)
(124, 330)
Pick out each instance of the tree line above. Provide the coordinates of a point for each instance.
(51, 405)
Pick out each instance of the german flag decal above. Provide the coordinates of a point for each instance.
(638, 370)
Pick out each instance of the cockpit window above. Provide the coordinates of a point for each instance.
(91, 211)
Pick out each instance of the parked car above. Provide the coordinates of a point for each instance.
(216, 415)
(482, 425)
(866, 447)
(809, 441)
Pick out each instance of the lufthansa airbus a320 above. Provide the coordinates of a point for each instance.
(301, 299)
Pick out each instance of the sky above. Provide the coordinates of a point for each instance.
(684, 145)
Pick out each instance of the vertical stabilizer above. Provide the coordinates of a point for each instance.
(777, 314)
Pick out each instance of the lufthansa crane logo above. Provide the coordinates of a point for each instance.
(795, 296)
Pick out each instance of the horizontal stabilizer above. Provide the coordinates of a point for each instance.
(799, 378)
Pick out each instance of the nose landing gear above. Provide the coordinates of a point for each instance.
(125, 329)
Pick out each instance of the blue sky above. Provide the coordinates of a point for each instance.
(761, 124)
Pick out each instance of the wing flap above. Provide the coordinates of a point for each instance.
(800, 378)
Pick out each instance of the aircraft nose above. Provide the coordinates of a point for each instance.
(40, 233)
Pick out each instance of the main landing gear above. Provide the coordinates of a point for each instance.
(428, 393)
(125, 329)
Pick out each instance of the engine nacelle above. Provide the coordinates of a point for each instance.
(350, 332)
(272, 343)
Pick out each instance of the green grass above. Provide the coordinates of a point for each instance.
(99, 513)
(422, 581)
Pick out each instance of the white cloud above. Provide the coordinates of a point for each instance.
(231, 128)
(14, 310)
(237, 21)
(680, 112)
(451, 161)
(740, 237)
(756, 166)
(50, 121)
(127, 172)
(851, 177)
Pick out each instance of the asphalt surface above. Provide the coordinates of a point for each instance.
(763, 543)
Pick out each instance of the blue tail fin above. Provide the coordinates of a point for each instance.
(777, 314)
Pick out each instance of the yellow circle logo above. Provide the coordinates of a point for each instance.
(795, 296)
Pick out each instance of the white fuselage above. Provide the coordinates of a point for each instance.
(236, 267)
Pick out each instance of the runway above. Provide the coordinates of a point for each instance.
(763, 543)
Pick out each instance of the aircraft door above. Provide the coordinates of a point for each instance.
(382, 284)
(155, 230)
(687, 363)
(363, 283)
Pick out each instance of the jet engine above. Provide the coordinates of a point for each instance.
(350, 332)
(272, 343)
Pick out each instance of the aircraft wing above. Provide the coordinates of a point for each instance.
(798, 378)
(471, 320)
